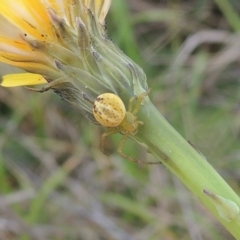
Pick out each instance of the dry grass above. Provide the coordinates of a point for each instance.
(55, 182)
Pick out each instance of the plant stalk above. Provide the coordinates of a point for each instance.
(178, 155)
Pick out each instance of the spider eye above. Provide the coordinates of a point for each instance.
(109, 110)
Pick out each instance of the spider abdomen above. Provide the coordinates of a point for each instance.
(109, 110)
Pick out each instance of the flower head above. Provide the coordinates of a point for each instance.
(64, 45)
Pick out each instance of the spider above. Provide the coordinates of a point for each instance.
(109, 111)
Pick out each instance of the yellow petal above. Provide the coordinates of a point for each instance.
(28, 16)
(22, 79)
(29, 64)
(101, 9)
(17, 47)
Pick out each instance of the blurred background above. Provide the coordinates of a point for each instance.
(55, 183)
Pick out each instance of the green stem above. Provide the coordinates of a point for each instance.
(230, 14)
(166, 144)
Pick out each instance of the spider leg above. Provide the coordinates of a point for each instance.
(139, 101)
(49, 85)
(132, 159)
(104, 135)
(130, 104)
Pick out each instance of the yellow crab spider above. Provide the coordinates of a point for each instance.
(109, 111)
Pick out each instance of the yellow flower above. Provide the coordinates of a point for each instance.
(64, 45)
